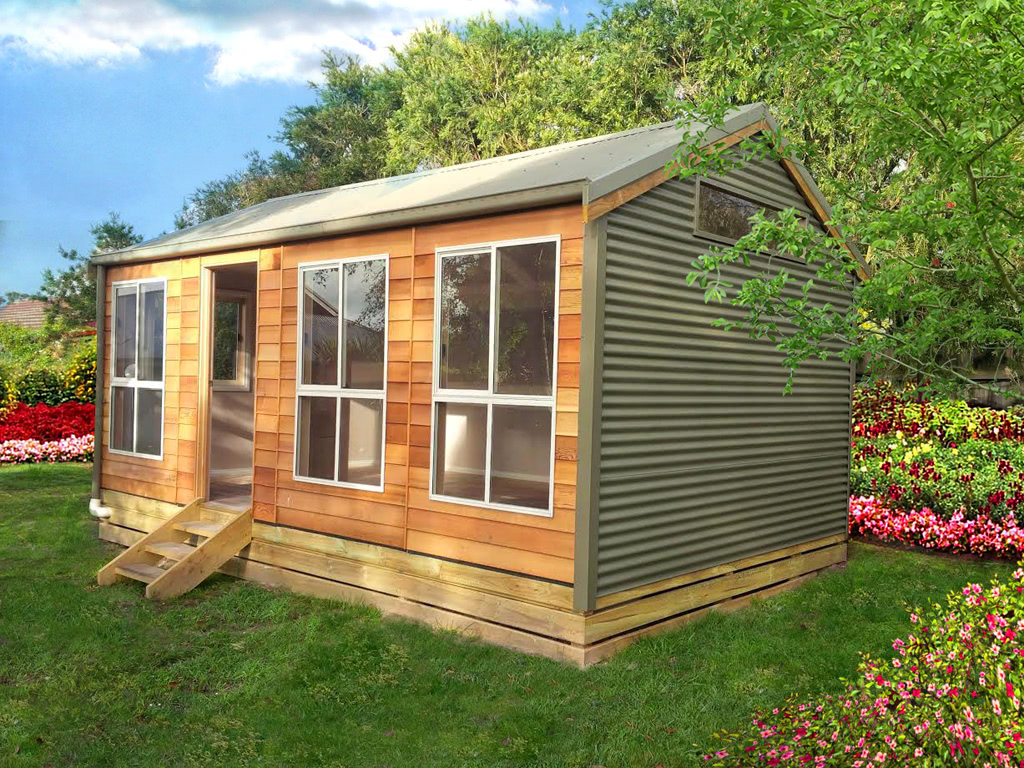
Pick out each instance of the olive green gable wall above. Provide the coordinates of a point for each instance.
(697, 458)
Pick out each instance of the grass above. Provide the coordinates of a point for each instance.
(235, 674)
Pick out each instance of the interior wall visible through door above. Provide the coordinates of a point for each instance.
(232, 395)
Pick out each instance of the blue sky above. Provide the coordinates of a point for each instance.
(129, 105)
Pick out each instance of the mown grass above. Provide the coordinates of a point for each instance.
(238, 675)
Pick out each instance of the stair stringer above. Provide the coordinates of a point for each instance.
(210, 555)
(137, 554)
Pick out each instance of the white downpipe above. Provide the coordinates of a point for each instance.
(96, 509)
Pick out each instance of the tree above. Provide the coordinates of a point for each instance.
(340, 139)
(12, 296)
(932, 94)
(458, 93)
(71, 292)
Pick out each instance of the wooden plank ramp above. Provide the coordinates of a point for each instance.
(181, 553)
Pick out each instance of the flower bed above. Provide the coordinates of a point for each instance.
(980, 535)
(46, 423)
(950, 696)
(945, 456)
(35, 451)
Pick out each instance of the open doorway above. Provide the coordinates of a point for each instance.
(232, 394)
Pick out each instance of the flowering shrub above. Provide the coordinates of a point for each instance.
(950, 695)
(80, 377)
(43, 422)
(34, 451)
(879, 410)
(945, 456)
(977, 477)
(8, 395)
(979, 535)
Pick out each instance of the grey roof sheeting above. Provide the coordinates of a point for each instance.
(577, 171)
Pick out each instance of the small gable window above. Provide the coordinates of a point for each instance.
(725, 214)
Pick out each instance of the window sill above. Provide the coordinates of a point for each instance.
(491, 506)
(146, 456)
(338, 484)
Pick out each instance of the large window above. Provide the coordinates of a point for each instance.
(137, 378)
(339, 421)
(495, 370)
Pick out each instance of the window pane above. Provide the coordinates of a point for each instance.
(725, 214)
(359, 450)
(320, 291)
(226, 328)
(526, 319)
(460, 450)
(521, 456)
(365, 316)
(150, 415)
(316, 433)
(151, 328)
(122, 418)
(124, 331)
(465, 321)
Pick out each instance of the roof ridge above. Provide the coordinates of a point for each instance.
(538, 151)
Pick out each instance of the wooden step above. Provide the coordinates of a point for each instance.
(141, 572)
(205, 528)
(172, 550)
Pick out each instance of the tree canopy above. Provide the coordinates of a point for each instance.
(457, 93)
(71, 292)
(933, 91)
(908, 113)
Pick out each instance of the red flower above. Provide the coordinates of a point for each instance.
(46, 423)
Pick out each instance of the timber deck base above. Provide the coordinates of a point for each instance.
(517, 612)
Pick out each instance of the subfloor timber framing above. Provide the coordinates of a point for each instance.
(524, 614)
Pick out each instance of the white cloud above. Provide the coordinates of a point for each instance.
(249, 39)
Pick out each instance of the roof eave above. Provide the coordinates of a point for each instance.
(478, 206)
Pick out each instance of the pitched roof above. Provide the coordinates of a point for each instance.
(28, 313)
(576, 171)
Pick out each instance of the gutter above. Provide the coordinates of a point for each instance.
(531, 198)
(96, 508)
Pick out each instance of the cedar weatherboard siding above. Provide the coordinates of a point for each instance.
(703, 460)
(404, 516)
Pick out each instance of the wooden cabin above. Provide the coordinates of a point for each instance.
(481, 397)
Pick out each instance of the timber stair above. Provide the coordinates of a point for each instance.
(185, 549)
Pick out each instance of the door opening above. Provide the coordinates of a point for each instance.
(232, 391)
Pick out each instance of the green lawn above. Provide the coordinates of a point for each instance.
(235, 674)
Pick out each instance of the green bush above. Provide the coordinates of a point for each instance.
(41, 386)
(8, 394)
(39, 368)
(80, 377)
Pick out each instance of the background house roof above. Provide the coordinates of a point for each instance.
(29, 313)
(576, 171)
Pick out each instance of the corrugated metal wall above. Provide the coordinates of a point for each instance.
(702, 459)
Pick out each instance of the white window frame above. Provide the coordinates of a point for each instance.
(488, 397)
(134, 383)
(243, 355)
(337, 391)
